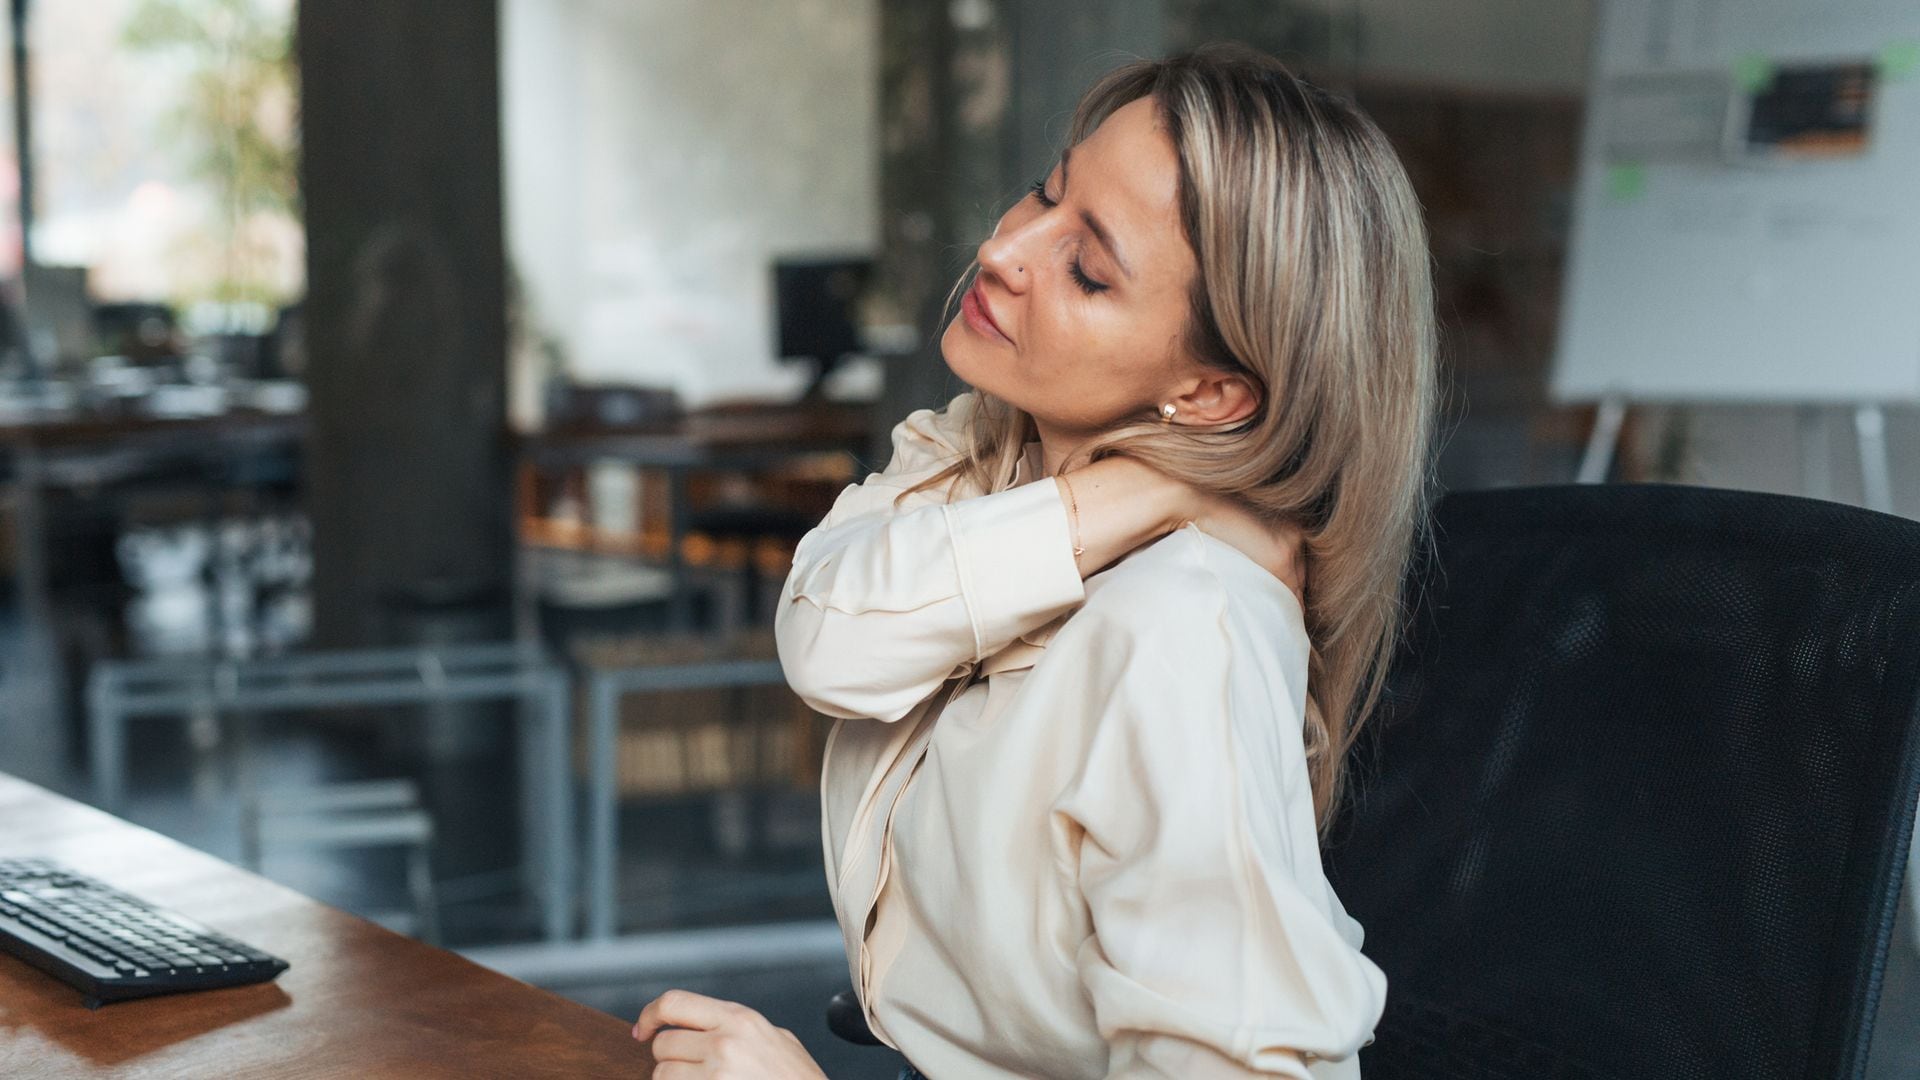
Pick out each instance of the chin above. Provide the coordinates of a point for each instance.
(983, 368)
(963, 356)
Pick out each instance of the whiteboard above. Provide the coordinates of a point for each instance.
(1724, 247)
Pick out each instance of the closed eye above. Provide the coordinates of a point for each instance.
(1087, 285)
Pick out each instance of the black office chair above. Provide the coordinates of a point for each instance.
(1639, 796)
(845, 1019)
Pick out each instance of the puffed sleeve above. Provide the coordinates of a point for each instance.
(886, 602)
(1216, 949)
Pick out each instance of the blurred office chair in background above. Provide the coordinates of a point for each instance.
(358, 815)
(1638, 797)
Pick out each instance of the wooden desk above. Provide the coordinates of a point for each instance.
(358, 1000)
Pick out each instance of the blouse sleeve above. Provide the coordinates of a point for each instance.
(1209, 956)
(886, 602)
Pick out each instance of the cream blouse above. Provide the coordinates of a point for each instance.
(1067, 823)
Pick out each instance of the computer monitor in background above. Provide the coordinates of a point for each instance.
(141, 331)
(817, 311)
(59, 315)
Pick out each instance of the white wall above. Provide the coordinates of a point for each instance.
(659, 154)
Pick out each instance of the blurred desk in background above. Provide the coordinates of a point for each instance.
(120, 693)
(357, 1000)
(751, 438)
(720, 436)
(716, 714)
(94, 430)
(103, 456)
(88, 449)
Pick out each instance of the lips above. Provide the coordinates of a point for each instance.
(974, 308)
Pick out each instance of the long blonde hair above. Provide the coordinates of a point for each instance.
(1314, 281)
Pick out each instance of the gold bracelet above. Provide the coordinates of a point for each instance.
(1075, 507)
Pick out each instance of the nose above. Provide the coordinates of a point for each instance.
(1008, 255)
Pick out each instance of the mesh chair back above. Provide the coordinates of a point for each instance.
(1638, 798)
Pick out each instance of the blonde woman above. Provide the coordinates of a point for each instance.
(1103, 629)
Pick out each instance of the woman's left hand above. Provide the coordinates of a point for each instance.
(697, 1036)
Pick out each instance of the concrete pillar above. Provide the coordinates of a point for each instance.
(405, 319)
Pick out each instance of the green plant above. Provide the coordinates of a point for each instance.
(236, 120)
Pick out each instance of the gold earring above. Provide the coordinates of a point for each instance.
(1166, 413)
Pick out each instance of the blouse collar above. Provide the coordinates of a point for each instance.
(1031, 466)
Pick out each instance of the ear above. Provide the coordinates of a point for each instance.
(1217, 398)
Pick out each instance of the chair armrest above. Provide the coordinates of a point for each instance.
(848, 1020)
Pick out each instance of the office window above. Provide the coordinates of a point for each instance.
(164, 143)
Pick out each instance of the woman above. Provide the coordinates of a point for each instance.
(1102, 630)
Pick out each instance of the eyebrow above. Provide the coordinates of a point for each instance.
(1093, 223)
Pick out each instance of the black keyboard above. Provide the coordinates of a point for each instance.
(111, 946)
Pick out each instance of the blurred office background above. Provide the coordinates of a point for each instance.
(506, 347)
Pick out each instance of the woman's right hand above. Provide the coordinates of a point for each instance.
(1281, 550)
(1124, 503)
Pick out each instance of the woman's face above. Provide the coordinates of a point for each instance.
(1084, 287)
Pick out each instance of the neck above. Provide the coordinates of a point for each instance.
(1056, 444)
